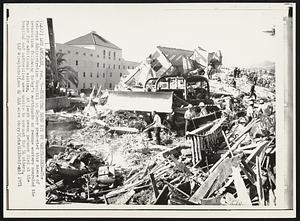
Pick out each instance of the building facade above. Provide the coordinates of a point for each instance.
(97, 61)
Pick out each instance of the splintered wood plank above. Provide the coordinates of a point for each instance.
(257, 151)
(215, 179)
(240, 187)
(228, 145)
(259, 182)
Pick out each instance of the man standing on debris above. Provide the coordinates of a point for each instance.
(156, 125)
(188, 116)
(233, 83)
(264, 109)
(250, 111)
(252, 90)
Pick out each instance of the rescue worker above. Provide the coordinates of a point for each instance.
(203, 111)
(171, 121)
(188, 116)
(148, 120)
(252, 90)
(250, 111)
(156, 125)
(233, 83)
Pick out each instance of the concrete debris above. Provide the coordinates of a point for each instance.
(109, 158)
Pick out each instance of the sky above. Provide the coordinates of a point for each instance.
(138, 29)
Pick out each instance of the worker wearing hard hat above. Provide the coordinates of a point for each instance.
(203, 111)
(188, 116)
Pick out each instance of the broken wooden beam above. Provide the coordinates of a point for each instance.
(259, 182)
(215, 179)
(228, 145)
(257, 151)
(156, 193)
(241, 189)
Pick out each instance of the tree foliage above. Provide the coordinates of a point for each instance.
(65, 74)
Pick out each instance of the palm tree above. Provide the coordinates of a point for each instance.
(65, 74)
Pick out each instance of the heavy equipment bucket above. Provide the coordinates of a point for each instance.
(140, 101)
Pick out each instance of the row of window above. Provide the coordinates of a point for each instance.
(91, 85)
(104, 54)
(114, 66)
(103, 75)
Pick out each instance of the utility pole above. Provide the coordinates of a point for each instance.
(52, 52)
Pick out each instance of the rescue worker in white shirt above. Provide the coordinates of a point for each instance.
(156, 125)
(188, 116)
(203, 111)
(264, 109)
(250, 111)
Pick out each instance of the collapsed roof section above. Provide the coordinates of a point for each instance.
(172, 61)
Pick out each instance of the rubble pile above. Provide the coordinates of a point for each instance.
(96, 155)
(100, 165)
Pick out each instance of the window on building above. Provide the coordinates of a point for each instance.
(103, 75)
(103, 53)
(109, 66)
(128, 67)
(103, 65)
(69, 52)
(114, 66)
(97, 64)
(97, 85)
(123, 66)
(119, 66)
(97, 75)
(84, 54)
(83, 85)
(91, 55)
(108, 54)
(83, 74)
(114, 55)
(97, 56)
(76, 62)
(76, 52)
(120, 74)
(110, 74)
(91, 74)
(91, 85)
(110, 85)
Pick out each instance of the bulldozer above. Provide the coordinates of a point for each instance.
(169, 96)
(167, 82)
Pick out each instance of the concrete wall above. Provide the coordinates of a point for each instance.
(57, 103)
